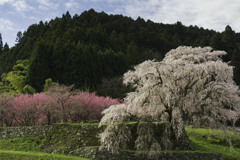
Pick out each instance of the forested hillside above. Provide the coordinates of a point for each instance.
(92, 50)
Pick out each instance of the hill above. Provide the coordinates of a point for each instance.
(92, 50)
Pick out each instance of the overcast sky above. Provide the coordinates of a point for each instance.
(17, 15)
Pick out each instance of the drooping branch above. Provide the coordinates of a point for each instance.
(190, 85)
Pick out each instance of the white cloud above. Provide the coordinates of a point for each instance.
(2, 2)
(8, 31)
(34, 18)
(44, 2)
(6, 24)
(214, 14)
(71, 4)
(47, 4)
(19, 5)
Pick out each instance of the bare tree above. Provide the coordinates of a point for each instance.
(59, 97)
(6, 116)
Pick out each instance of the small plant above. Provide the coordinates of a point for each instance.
(213, 139)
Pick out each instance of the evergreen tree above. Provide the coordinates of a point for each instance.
(229, 42)
(132, 53)
(5, 48)
(39, 69)
(19, 36)
(228, 35)
(235, 61)
(216, 42)
(131, 42)
(1, 44)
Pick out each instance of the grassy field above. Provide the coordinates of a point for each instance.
(28, 149)
(21, 155)
(214, 141)
(203, 141)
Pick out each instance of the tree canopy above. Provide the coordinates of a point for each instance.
(15, 81)
(89, 48)
(189, 86)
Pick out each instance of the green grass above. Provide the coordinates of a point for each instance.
(21, 155)
(80, 124)
(202, 141)
(22, 144)
(201, 146)
(28, 149)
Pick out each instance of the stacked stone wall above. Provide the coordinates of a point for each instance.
(82, 140)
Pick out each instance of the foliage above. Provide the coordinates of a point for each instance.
(1, 44)
(15, 80)
(113, 87)
(88, 48)
(28, 89)
(48, 83)
(39, 66)
(190, 85)
(19, 36)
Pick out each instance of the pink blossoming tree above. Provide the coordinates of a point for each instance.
(27, 109)
(88, 106)
(58, 103)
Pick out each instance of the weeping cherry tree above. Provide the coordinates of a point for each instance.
(190, 86)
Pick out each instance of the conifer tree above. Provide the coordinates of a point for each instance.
(1, 44)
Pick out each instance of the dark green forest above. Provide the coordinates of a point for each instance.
(93, 50)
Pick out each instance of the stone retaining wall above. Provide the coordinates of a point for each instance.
(79, 139)
(23, 131)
